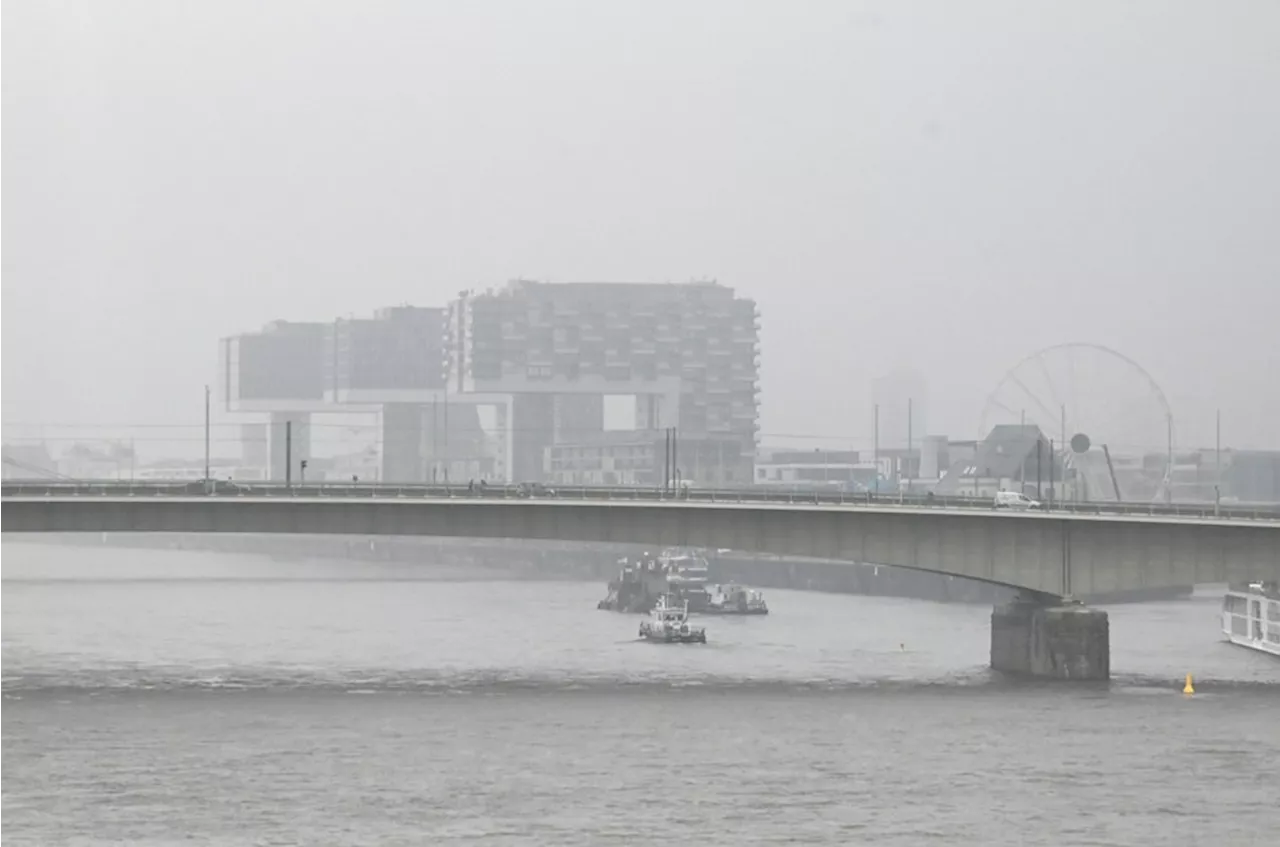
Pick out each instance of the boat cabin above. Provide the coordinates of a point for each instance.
(669, 612)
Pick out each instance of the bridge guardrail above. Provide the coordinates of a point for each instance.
(223, 488)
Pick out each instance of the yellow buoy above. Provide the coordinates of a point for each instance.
(1188, 688)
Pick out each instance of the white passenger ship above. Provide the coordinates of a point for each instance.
(1251, 616)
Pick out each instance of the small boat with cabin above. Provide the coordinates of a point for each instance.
(735, 599)
(669, 623)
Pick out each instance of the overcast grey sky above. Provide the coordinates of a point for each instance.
(939, 185)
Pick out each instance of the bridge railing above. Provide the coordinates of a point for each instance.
(225, 488)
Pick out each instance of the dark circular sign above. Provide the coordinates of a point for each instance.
(1080, 443)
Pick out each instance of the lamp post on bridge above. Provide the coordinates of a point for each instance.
(875, 451)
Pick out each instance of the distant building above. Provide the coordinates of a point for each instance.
(194, 471)
(1011, 458)
(533, 361)
(281, 366)
(28, 461)
(903, 401)
(97, 460)
(640, 458)
(398, 351)
(279, 371)
(1252, 476)
(812, 468)
(687, 353)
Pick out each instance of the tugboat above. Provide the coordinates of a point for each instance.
(639, 585)
(735, 600)
(669, 624)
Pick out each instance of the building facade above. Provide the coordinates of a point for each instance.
(539, 358)
(811, 468)
(399, 349)
(688, 353)
(649, 458)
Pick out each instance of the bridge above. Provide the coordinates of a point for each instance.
(1049, 555)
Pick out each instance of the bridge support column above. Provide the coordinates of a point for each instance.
(288, 445)
(1051, 642)
(403, 431)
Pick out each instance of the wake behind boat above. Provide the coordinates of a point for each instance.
(669, 623)
(1251, 616)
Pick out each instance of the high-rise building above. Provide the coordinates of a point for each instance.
(542, 357)
(688, 353)
(279, 371)
(393, 363)
(903, 401)
(398, 349)
(397, 361)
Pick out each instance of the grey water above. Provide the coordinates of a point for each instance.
(153, 697)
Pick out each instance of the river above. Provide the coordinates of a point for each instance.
(153, 696)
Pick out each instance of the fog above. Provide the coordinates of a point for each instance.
(944, 187)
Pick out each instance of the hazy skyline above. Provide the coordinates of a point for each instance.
(931, 186)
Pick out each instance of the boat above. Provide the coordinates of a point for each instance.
(669, 624)
(1251, 616)
(640, 583)
(687, 575)
(734, 599)
(643, 580)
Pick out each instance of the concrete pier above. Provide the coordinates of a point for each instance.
(1051, 642)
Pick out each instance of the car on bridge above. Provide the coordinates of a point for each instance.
(1015, 500)
(534, 489)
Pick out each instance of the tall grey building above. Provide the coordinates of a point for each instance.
(688, 353)
(393, 362)
(541, 357)
(278, 371)
(400, 348)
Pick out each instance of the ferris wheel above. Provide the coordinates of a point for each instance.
(1106, 416)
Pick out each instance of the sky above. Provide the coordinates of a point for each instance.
(931, 186)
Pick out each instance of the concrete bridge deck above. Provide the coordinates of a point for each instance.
(1052, 554)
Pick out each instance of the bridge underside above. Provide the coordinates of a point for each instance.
(1046, 554)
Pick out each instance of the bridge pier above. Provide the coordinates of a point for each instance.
(1064, 641)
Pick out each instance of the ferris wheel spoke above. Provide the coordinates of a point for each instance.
(1053, 391)
(1075, 397)
(1034, 398)
(996, 402)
